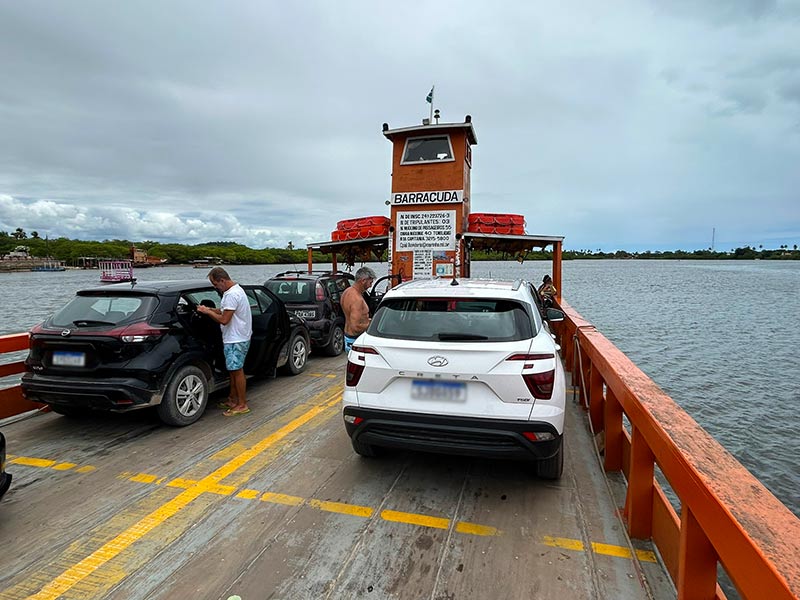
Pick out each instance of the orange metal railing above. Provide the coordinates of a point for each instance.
(11, 400)
(726, 515)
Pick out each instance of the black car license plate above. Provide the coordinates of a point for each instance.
(69, 359)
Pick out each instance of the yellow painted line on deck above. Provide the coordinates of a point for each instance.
(45, 463)
(341, 508)
(415, 519)
(325, 375)
(124, 540)
(598, 548)
(282, 499)
(248, 494)
(476, 529)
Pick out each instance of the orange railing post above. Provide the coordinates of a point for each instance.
(595, 399)
(612, 425)
(697, 561)
(639, 500)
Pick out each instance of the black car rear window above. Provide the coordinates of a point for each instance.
(99, 310)
(293, 291)
(452, 319)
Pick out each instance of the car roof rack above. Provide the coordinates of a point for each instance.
(345, 273)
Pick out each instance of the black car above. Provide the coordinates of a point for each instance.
(5, 478)
(127, 346)
(316, 297)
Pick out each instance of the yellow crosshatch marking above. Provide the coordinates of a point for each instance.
(97, 559)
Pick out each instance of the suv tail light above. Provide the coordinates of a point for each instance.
(355, 370)
(320, 292)
(138, 332)
(541, 384)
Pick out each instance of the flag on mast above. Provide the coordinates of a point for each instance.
(430, 96)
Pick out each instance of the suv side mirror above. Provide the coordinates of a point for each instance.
(554, 315)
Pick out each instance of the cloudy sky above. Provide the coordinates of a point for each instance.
(625, 125)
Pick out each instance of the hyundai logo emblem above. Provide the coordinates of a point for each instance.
(65, 333)
(437, 361)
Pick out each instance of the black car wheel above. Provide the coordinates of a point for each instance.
(185, 398)
(363, 449)
(298, 354)
(336, 344)
(551, 468)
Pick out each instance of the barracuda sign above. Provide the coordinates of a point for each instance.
(432, 197)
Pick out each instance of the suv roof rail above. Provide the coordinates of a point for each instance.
(516, 285)
(328, 272)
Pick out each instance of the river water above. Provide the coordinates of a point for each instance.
(720, 337)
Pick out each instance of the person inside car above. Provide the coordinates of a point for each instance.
(356, 311)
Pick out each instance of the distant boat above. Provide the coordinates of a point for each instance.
(49, 265)
(116, 271)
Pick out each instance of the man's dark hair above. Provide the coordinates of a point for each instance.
(218, 274)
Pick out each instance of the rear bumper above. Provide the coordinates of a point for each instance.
(487, 438)
(117, 394)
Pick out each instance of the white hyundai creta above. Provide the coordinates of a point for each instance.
(466, 368)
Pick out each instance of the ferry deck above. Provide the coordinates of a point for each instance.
(276, 504)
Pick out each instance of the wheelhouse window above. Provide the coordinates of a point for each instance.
(428, 149)
(448, 319)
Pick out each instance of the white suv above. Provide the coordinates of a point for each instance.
(468, 368)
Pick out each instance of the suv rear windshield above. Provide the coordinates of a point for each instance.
(449, 319)
(293, 291)
(92, 311)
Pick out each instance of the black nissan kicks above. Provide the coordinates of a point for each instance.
(122, 347)
(315, 297)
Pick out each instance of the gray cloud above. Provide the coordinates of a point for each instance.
(260, 122)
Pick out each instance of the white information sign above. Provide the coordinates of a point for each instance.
(444, 269)
(428, 230)
(430, 197)
(423, 264)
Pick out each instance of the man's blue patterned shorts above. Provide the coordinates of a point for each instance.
(235, 354)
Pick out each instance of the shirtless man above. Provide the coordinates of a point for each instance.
(356, 311)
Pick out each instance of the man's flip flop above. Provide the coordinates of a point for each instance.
(231, 412)
(225, 405)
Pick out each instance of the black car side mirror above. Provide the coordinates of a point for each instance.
(554, 315)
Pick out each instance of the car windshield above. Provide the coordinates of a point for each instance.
(293, 291)
(452, 319)
(99, 310)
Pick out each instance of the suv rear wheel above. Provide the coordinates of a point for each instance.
(185, 397)
(336, 344)
(551, 468)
